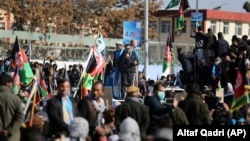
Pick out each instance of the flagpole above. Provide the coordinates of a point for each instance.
(146, 40)
(31, 95)
(84, 69)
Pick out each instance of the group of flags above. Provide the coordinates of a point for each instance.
(23, 75)
(95, 65)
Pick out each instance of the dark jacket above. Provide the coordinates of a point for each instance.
(126, 64)
(156, 110)
(55, 113)
(196, 110)
(87, 111)
(11, 113)
(185, 62)
(135, 110)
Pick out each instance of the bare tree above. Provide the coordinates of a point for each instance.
(78, 16)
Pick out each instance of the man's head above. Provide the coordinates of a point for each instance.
(159, 90)
(133, 43)
(133, 91)
(118, 45)
(97, 90)
(6, 80)
(127, 48)
(63, 87)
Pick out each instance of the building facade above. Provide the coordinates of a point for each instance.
(229, 23)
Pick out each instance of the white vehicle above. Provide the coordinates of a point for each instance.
(180, 93)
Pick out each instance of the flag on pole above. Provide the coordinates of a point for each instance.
(20, 60)
(172, 4)
(241, 92)
(180, 18)
(167, 57)
(95, 66)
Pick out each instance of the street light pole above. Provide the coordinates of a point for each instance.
(197, 6)
(146, 40)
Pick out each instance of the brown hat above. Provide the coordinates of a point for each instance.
(133, 91)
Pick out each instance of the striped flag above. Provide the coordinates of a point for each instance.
(20, 60)
(94, 68)
(180, 18)
(241, 92)
(167, 57)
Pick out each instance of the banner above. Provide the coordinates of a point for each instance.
(132, 30)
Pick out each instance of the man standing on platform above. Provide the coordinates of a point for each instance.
(127, 67)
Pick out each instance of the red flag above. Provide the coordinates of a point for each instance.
(239, 88)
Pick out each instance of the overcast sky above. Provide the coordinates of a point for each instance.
(227, 5)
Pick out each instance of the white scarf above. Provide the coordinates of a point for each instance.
(100, 108)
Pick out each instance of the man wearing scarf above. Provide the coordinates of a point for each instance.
(91, 108)
(61, 110)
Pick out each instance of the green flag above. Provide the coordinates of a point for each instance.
(167, 57)
(180, 18)
(87, 81)
(172, 3)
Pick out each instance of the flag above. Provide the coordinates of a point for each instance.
(15, 50)
(180, 18)
(19, 59)
(26, 74)
(185, 5)
(87, 81)
(100, 63)
(167, 57)
(100, 45)
(95, 66)
(172, 3)
(43, 88)
(17, 83)
(241, 92)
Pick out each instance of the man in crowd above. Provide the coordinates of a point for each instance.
(134, 109)
(61, 110)
(91, 107)
(11, 113)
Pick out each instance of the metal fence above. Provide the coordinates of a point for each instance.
(156, 52)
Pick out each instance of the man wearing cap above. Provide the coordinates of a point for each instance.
(116, 77)
(117, 53)
(134, 109)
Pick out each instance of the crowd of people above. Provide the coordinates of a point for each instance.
(145, 114)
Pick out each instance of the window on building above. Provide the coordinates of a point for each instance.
(165, 26)
(225, 27)
(213, 26)
(153, 24)
(238, 29)
(184, 30)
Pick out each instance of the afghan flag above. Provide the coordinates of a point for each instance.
(180, 18)
(241, 93)
(43, 89)
(167, 57)
(20, 60)
(17, 83)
